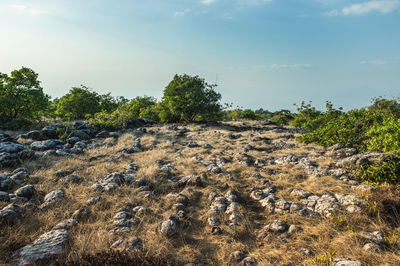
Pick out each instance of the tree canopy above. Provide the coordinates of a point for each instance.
(21, 96)
(189, 98)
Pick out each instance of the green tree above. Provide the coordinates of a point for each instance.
(21, 96)
(189, 98)
(81, 102)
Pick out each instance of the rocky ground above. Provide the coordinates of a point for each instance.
(235, 193)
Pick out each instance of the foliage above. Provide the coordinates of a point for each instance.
(242, 114)
(326, 259)
(21, 98)
(78, 103)
(282, 117)
(309, 118)
(142, 107)
(353, 129)
(387, 172)
(127, 115)
(385, 137)
(189, 98)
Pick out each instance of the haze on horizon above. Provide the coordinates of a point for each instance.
(261, 53)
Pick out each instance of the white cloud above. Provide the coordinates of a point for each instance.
(378, 62)
(181, 13)
(27, 10)
(381, 6)
(293, 66)
(208, 2)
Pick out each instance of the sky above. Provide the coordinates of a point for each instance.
(266, 54)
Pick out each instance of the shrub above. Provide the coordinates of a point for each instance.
(385, 137)
(243, 114)
(78, 103)
(22, 100)
(187, 99)
(142, 107)
(282, 117)
(387, 172)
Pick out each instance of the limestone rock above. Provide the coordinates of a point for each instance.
(130, 245)
(45, 248)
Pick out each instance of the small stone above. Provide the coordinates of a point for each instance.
(128, 245)
(140, 210)
(376, 237)
(306, 252)
(92, 200)
(179, 207)
(66, 224)
(372, 247)
(277, 227)
(249, 261)
(169, 228)
(353, 209)
(294, 229)
(346, 262)
(236, 257)
(81, 214)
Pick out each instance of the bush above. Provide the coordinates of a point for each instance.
(78, 103)
(21, 98)
(387, 172)
(242, 114)
(187, 99)
(282, 117)
(385, 137)
(142, 107)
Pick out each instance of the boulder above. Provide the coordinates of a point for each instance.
(11, 215)
(44, 249)
(45, 144)
(52, 198)
(103, 134)
(81, 134)
(11, 147)
(4, 137)
(169, 227)
(4, 196)
(34, 135)
(5, 182)
(49, 132)
(26, 191)
(8, 159)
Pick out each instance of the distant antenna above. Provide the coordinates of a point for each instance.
(216, 80)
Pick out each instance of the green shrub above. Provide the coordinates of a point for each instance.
(387, 172)
(246, 114)
(79, 103)
(385, 137)
(282, 117)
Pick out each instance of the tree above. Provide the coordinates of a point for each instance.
(80, 102)
(21, 96)
(187, 99)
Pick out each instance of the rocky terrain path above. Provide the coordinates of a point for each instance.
(235, 193)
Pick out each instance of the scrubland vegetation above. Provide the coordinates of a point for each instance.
(185, 179)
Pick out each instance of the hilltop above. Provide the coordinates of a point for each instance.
(237, 193)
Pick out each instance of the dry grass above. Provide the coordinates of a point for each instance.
(195, 243)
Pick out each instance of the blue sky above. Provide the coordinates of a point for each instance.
(262, 53)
